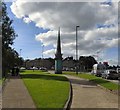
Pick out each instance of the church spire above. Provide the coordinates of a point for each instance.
(58, 56)
(58, 51)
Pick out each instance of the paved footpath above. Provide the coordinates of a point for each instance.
(88, 95)
(0, 96)
(15, 95)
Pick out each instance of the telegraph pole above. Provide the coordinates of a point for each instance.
(77, 50)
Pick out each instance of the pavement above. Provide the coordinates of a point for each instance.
(0, 96)
(15, 94)
(87, 94)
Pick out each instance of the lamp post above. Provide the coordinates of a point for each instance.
(20, 52)
(77, 50)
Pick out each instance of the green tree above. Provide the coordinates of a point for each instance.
(87, 62)
(8, 35)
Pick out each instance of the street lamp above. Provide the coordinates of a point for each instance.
(77, 50)
(20, 52)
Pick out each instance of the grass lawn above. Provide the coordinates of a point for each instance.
(47, 90)
(107, 84)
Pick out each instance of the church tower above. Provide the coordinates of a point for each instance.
(58, 56)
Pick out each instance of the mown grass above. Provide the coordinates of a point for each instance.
(98, 80)
(47, 90)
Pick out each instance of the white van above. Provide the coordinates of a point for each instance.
(98, 69)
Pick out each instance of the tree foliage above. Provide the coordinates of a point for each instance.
(8, 33)
(10, 57)
(87, 62)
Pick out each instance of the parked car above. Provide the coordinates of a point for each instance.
(43, 68)
(33, 68)
(118, 70)
(110, 74)
(22, 68)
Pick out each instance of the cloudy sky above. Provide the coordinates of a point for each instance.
(37, 23)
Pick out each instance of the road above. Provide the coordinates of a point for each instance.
(114, 81)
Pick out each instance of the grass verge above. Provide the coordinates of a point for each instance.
(107, 84)
(47, 90)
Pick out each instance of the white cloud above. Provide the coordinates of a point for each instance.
(47, 38)
(67, 16)
(88, 42)
(27, 20)
(50, 52)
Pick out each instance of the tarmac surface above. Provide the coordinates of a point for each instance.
(87, 94)
(15, 94)
(0, 96)
(114, 81)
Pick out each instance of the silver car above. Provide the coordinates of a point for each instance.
(110, 74)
